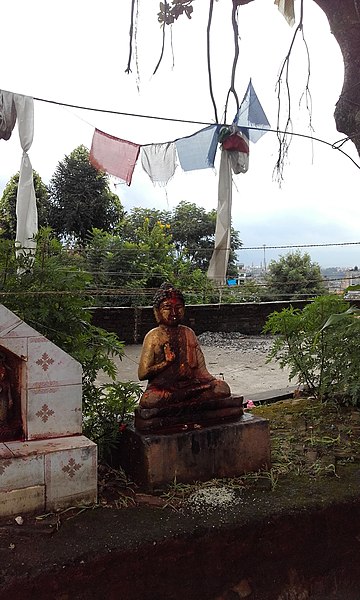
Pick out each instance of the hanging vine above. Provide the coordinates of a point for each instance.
(235, 60)
(284, 132)
(131, 35)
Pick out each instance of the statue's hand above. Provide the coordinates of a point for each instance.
(169, 354)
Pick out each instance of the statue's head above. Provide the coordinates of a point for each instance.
(169, 305)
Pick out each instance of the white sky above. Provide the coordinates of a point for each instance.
(76, 52)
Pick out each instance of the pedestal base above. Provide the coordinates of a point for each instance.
(168, 419)
(45, 475)
(225, 450)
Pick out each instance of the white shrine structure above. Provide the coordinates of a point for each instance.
(45, 461)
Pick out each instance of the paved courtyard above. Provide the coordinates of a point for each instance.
(241, 360)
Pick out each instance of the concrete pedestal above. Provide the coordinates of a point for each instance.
(224, 450)
(45, 475)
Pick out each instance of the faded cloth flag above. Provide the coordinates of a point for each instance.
(251, 115)
(158, 160)
(26, 209)
(286, 7)
(234, 159)
(113, 155)
(7, 114)
(220, 256)
(198, 151)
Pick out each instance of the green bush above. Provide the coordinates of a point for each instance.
(107, 410)
(49, 292)
(319, 344)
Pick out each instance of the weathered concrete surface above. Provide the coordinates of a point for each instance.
(245, 370)
(225, 450)
(276, 551)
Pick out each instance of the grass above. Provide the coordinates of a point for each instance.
(311, 443)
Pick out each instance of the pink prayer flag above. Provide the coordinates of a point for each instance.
(113, 155)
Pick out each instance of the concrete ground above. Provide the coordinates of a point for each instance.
(244, 369)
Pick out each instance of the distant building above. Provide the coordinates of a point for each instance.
(352, 277)
(243, 274)
(333, 278)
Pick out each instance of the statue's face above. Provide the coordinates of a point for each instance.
(170, 312)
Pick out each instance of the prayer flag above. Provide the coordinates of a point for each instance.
(114, 155)
(220, 256)
(26, 209)
(251, 114)
(158, 160)
(286, 7)
(198, 151)
(7, 114)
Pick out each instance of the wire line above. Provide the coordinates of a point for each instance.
(192, 122)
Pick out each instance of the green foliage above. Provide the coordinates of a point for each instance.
(293, 276)
(133, 222)
(132, 267)
(151, 246)
(107, 411)
(128, 266)
(249, 291)
(320, 346)
(80, 198)
(345, 329)
(51, 295)
(8, 205)
(193, 231)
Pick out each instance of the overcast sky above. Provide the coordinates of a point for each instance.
(76, 52)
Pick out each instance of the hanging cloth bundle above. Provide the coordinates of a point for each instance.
(7, 114)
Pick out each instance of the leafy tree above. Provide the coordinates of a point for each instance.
(80, 198)
(192, 229)
(134, 265)
(8, 205)
(133, 269)
(294, 275)
(193, 232)
(133, 222)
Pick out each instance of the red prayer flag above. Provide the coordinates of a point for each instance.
(113, 155)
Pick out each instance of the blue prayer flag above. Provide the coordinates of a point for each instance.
(251, 115)
(198, 151)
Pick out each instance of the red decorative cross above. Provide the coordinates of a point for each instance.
(45, 361)
(45, 413)
(71, 467)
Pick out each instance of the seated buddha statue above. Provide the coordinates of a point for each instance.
(180, 388)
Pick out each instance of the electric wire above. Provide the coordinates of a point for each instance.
(208, 251)
(132, 291)
(332, 145)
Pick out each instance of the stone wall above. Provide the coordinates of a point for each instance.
(131, 324)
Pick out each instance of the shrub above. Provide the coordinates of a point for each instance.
(107, 410)
(319, 344)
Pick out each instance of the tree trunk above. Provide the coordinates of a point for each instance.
(344, 20)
